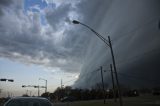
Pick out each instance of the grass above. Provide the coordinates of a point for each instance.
(131, 101)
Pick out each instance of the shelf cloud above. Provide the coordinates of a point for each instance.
(47, 37)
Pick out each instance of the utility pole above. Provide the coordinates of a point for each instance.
(61, 83)
(159, 24)
(61, 91)
(38, 90)
(26, 92)
(8, 94)
(115, 71)
(113, 85)
(0, 91)
(46, 87)
(103, 84)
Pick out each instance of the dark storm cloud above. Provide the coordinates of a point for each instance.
(133, 27)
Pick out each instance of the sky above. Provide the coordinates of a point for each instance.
(39, 40)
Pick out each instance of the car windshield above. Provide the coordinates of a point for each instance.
(28, 103)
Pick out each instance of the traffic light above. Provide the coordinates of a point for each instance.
(3, 79)
(10, 80)
(35, 86)
(23, 86)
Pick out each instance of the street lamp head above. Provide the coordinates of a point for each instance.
(75, 22)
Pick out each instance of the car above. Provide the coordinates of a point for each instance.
(28, 101)
(68, 99)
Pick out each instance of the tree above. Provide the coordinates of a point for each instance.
(25, 95)
(46, 94)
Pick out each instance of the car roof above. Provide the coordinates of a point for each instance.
(31, 98)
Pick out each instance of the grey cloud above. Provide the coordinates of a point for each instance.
(23, 38)
(57, 16)
(133, 27)
(93, 10)
(5, 2)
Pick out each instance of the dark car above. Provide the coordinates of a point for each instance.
(28, 101)
(68, 99)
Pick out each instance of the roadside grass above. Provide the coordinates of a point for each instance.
(129, 101)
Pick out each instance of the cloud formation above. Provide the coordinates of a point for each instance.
(48, 38)
(24, 38)
(133, 27)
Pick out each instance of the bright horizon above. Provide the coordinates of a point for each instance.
(28, 74)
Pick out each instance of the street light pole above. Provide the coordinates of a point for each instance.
(115, 71)
(38, 91)
(108, 43)
(61, 83)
